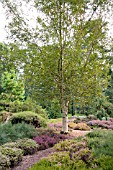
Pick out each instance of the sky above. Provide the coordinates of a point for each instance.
(2, 24)
(3, 33)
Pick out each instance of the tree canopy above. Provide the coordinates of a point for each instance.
(64, 54)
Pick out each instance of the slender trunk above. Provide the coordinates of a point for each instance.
(65, 116)
(64, 103)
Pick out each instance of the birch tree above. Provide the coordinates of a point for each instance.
(70, 61)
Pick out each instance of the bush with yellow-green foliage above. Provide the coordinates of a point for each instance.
(14, 155)
(70, 145)
(4, 162)
(79, 126)
(28, 146)
(29, 118)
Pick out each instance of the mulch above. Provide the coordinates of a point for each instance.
(30, 160)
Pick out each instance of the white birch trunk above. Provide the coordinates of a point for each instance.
(65, 117)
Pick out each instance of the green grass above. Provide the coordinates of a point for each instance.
(54, 120)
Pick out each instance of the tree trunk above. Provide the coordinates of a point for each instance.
(65, 116)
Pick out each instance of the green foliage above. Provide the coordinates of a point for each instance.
(65, 65)
(109, 90)
(70, 145)
(29, 118)
(28, 146)
(54, 111)
(31, 105)
(75, 154)
(14, 154)
(4, 162)
(101, 108)
(13, 89)
(9, 132)
(59, 161)
(104, 162)
(101, 142)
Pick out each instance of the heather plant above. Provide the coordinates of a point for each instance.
(4, 162)
(9, 132)
(75, 154)
(101, 142)
(48, 140)
(28, 146)
(108, 124)
(79, 126)
(13, 154)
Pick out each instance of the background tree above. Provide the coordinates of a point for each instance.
(13, 89)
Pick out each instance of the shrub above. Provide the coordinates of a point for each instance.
(28, 146)
(29, 105)
(14, 154)
(9, 132)
(79, 126)
(104, 162)
(108, 124)
(29, 118)
(59, 161)
(48, 140)
(101, 142)
(70, 145)
(10, 145)
(4, 162)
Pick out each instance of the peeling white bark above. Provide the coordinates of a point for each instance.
(65, 116)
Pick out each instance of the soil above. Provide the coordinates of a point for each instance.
(30, 160)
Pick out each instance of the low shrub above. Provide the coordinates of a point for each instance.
(59, 161)
(10, 133)
(14, 155)
(101, 142)
(28, 146)
(85, 119)
(79, 126)
(10, 145)
(29, 118)
(70, 145)
(48, 140)
(104, 162)
(108, 124)
(4, 162)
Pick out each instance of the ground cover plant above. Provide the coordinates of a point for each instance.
(101, 142)
(10, 156)
(9, 132)
(12, 153)
(78, 126)
(49, 139)
(108, 124)
(94, 151)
